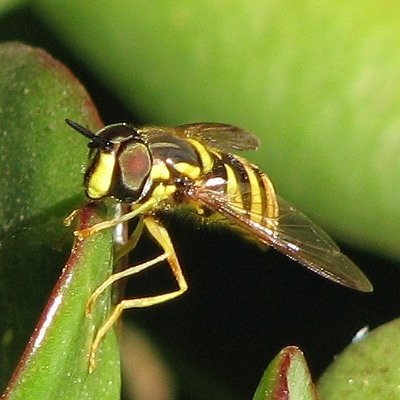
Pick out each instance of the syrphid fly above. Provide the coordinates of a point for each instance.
(156, 169)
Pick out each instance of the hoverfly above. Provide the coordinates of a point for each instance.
(155, 169)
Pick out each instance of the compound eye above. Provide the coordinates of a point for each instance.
(135, 165)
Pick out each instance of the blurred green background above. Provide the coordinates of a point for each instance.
(317, 82)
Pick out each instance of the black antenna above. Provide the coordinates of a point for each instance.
(96, 142)
(81, 129)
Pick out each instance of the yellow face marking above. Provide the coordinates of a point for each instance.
(159, 172)
(232, 188)
(204, 154)
(100, 181)
(191, 171)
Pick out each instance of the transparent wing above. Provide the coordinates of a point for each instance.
(221, 136)
(293, 234)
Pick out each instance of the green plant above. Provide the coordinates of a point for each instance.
(357, 167)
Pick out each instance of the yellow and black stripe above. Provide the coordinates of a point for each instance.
(242, 183)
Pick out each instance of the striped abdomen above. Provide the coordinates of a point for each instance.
(247, 189)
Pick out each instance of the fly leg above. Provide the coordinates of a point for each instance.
(132, 242)
(161, 235)
(140, 210)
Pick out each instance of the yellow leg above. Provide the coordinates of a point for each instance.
(162, 237)
(142, 209)
(132, 242)
(120, 275)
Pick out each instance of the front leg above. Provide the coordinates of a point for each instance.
(139, 210)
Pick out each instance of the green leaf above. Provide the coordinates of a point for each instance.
(41, 182)
(367, 369)
(41, 157)
(56, 362)
(286, 378)
(316, 81)
(7, 5)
